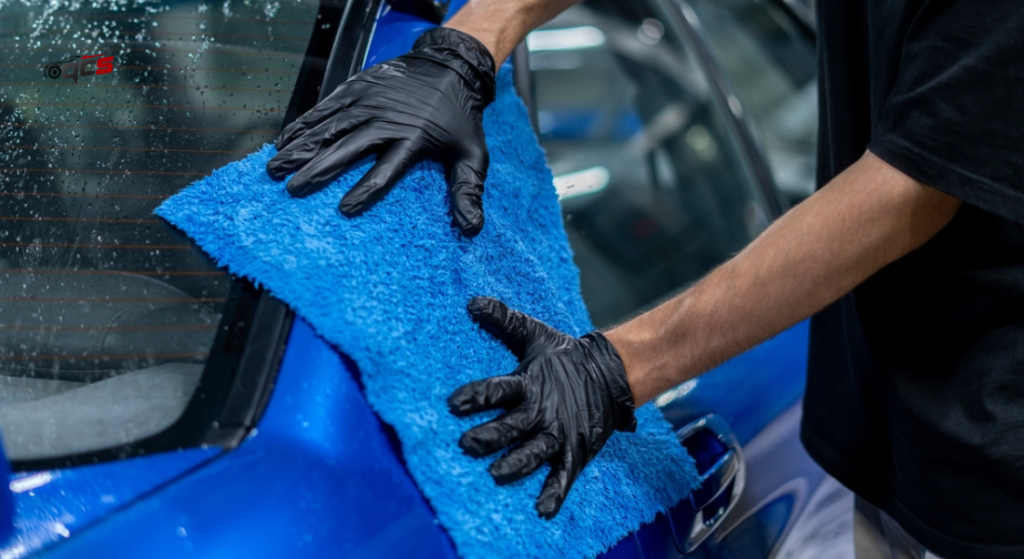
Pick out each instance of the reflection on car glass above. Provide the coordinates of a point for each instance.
(654, 190)
(93, 287)
(771, 67)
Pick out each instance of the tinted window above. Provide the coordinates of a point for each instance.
(772, 67)
(654, 190)
(107, 315)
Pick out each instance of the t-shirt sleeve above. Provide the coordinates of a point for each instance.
(955, 118)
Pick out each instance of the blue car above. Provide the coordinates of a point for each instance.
(153, 406)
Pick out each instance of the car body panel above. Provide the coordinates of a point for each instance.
(53, 505)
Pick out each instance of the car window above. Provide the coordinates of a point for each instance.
(771, 65)
(107, 314)
(653, 187)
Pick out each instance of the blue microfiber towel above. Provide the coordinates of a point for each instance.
(390, 288)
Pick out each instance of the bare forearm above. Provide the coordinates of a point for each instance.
(867, 217)
(502, 24)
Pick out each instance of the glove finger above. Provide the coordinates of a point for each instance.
(378, 181)
(524, 460)
(496, 392)
(466, 192)
(556, 488)
(332, 162)
(306, 147)
(513, 328)
(496, 434)
(336, 102)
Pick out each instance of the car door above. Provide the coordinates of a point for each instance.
(661, 176)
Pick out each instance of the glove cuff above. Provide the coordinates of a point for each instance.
(615, 376)
(464, 54)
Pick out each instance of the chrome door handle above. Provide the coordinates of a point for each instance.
(715, 481)
(712, 444)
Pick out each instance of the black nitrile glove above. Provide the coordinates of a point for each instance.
(565, 399)
(427, 103)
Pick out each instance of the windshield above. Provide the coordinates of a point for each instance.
(107, 314)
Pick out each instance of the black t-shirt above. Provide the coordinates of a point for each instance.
(915, 390)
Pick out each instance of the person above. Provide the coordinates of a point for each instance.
(910, 257)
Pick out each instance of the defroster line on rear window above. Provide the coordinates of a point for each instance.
(95, 246)
(31, 271)
(161, 17)
(52, 83)
(85, 195)
(118, 148)
(171, 36)
(159, 68)
(74, 219)
(102, 171)
(167, 128)
(130, 105)
(221, 49)
(110, 328)
(125, 300)
(105, 356)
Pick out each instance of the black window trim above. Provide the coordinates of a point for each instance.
(239, 375)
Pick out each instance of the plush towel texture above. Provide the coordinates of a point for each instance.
(390, 288)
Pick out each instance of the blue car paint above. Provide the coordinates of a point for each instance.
(319, 478)
(7, 506)
(396, 32)
(53, 505)
(322, 476)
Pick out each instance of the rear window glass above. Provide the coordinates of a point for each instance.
(107, 314)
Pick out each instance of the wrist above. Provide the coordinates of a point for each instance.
(628, 349)
(462, 53)
(657, 350)
(498, 26)
(609, 364)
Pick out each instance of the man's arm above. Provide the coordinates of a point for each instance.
(502, 24)
(569, 394)
(867, 217)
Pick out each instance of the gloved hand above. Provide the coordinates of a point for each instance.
(427, 103)
(565, 399)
